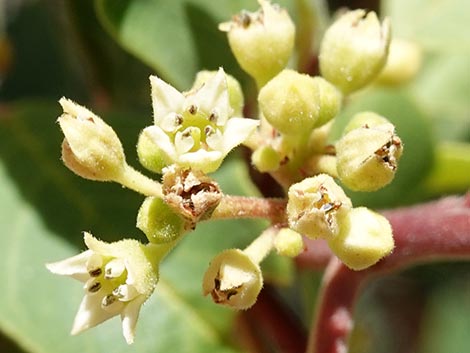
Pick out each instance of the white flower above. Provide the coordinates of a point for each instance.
(118, 278)
(196, 129)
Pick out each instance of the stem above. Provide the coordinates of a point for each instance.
(136, 181)
(237, 207)
(423, 233)
(261, 246)
(321, 164)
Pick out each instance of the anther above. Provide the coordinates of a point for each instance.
(192, 109)
(96, 272)
(108, 300)
(95, 287)
(213, 117)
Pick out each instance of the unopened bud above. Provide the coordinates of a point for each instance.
(290, 103)
(403, 63)
(364, 238)
(367, 158)
(91, 148)
(316, 206)
(365, 120)
(150, 155)
(159, 222)
(288, 243)
(329, 101)
(266, 159)
(262, 41)
(233, 279)
(354, 50)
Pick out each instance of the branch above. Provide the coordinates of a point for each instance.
(438, 230)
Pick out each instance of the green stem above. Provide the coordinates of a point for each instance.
(136, 181)
(261, 246)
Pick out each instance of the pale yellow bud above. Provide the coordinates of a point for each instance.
(262, 42)
(364, 238)
(354, 50)
(266, 159)
(367, 158)
(288, 243)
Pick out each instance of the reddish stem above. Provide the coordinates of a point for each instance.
(438, 230)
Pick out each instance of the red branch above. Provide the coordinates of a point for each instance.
(438, 230)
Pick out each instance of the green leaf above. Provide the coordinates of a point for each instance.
(416, 133)
(437, 25)
(44, 207)
(176, 38)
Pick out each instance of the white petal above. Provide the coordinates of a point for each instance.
(75, 266)
(184, 141)
(215, 140)
(206, 161)
(90, 314)
(213, 97)
(162, 140)
(165, 99)
(170, 123)
(126, 292)
(236, 131)
(114, 268)
(129, 317)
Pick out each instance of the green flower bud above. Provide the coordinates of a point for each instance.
(150, 155)
(316, 205)
(262, 42)
(91, 148)
(233, 279)
(235, 93)
(364, 238)
(367, 158)
(329, 101)
(266, 159)
(290, 102)
(159, 222)
(288, 243)
(403, 63)
(354, 50)
(365, 119)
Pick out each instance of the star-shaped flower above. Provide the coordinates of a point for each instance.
(118, 278)
(196, 129)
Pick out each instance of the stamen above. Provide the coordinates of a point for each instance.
(114, 269)
(95, 287)
(192, 109)
(108, 300)
(96, 272)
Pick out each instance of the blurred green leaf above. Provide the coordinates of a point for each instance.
(416, 133)
(44, 207)
(438, 25)
(176, 38)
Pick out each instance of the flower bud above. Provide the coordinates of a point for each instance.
(233, 279)
(365, 119)
(364, 238)
(403, 63)
(150, 155)
(288, 243)
(266, 159)
(158, 221)
(91, 148)
(316, 206)
(235, 93)
(329, 101)
(367, 157)
(289, 102)
(262, 42)
(354, 50)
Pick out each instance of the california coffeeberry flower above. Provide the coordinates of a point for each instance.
(118, 278)
(196, 129)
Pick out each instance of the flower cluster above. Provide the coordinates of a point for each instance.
(192, 133)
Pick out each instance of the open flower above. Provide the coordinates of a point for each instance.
(196, 129)
(118, 278)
